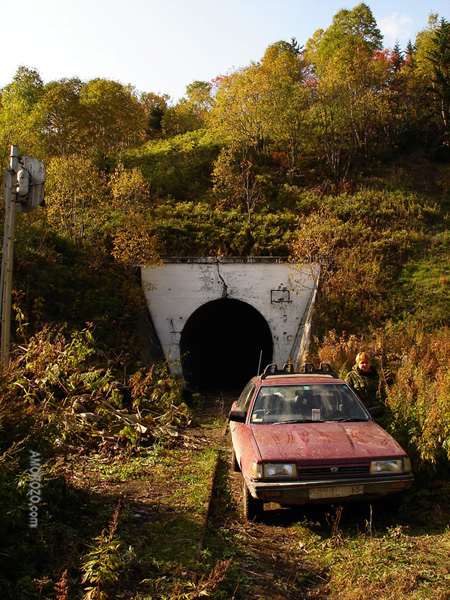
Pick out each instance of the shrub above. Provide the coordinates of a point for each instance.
(420, 400)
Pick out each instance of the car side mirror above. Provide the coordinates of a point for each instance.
(238, 416)
(376, 411)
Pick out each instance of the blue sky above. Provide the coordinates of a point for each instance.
(163, 45)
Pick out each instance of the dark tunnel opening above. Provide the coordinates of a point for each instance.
(222, 345)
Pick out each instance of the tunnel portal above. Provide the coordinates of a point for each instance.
(212, 316)
(223, 343)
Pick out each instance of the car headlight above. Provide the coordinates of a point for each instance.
(399, 465)
(274, 470)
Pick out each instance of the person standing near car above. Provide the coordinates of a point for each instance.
(365, 381)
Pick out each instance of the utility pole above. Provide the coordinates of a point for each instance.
(23, 192)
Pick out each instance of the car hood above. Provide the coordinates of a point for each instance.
(324, 441)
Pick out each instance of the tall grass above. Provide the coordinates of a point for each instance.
(420, 400)
(418, 403)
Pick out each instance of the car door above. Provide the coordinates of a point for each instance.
(238, 437)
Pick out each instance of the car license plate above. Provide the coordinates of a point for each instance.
(335, 492)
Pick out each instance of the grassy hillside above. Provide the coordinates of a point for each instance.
(77, 395)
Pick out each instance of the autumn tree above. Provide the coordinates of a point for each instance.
(128, 189)
(236, 182)
(19, 112)
(133, 241)
(423, 47)
(238, 108)
(155, 107)
(287, 101)
(439, 57)
(113, 117)
(348, 86)
(199, 95)
(260, 111)
(62, 119)
(238, 116)
(74, 194)
(347, 45)
(190, 112)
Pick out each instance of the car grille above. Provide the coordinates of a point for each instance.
(333, 471)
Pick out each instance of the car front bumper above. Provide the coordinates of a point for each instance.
(329, 490)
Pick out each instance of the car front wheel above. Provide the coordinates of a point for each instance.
(253, 508)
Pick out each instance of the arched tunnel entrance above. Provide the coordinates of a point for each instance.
(221, 345)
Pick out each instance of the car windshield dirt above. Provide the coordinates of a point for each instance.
(307, 404)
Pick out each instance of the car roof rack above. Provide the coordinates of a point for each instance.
(306, 369)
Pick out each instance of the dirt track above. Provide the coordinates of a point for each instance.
(271, 557)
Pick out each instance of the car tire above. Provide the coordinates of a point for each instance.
(253, 508)
(234, 463)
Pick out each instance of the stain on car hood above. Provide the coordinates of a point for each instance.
(324, 441)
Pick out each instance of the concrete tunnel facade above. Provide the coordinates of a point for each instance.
(219, 320)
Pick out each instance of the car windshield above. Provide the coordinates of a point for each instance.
(307, 404)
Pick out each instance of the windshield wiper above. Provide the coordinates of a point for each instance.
(297, 421)
(349, 420)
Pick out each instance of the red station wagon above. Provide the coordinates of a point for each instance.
(307, 438)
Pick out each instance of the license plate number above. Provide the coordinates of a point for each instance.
(335, 492)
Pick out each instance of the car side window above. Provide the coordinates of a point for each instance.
(246, 396)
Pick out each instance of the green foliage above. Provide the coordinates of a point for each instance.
(193, 229)
(188, 114)
(352, 37)
(360, 242)
(439, 56)
(19, 112)
(58, 280)
(102, 563)
(177, 166)
(424, 286)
